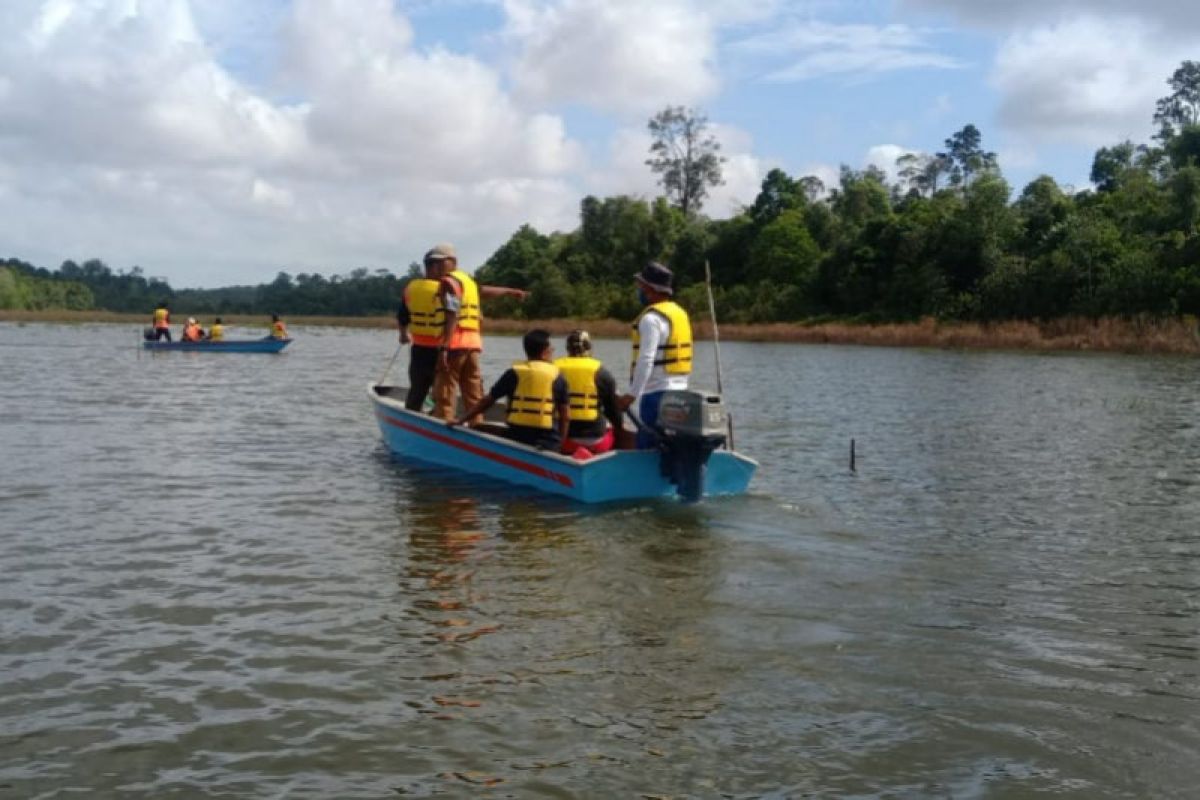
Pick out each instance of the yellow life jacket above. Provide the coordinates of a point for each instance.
(469, 315)
(532, 404)
(427, 315)
(216, 333)
(278, 331)
(160, 318)
(675, 354)
(580, 374)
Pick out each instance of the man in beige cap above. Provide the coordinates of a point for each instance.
(462, 339)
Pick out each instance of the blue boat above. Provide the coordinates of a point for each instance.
(267, 345)
(616, 475)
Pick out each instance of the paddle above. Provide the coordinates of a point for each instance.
(712, 313)
(388, 368)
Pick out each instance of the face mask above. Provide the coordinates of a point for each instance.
(642, 297)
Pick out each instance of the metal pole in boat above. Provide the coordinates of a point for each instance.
(388, 368)
(712, 314)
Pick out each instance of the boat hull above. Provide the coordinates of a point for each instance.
(223, 346)
(617, 475)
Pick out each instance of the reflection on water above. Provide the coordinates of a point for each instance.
(214, 581)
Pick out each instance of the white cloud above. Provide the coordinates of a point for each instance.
(1088, 80)
(811, 48)
(119, 117)
(1175, 15)
(377, 104)
(613, 55)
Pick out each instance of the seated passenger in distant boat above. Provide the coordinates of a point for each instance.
(537, 394)
(278, 329)
(192, 332)
(217, 332)
(595, 414)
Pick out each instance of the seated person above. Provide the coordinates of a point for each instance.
(278, 329)
(192, 332)
(217, 332)
(538, 397)
(592, 389)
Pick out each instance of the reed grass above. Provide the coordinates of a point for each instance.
(1180, 335)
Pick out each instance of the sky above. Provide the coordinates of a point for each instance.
(219, 142)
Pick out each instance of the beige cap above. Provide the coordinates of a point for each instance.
(191, 320)
(440, 252)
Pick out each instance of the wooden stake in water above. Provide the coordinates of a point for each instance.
(852, 456)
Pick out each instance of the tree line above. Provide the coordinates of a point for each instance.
(944, 238)
(94, 285)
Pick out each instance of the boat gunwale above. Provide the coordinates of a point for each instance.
(489, 437)
(518, 446)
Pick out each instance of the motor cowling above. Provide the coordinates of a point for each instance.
(148, 333)
(691, 425)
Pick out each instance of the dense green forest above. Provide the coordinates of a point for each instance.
(946, 238)
(25, 287)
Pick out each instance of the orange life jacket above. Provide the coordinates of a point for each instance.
(466, 334)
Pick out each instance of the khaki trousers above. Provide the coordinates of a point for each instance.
(461, 373)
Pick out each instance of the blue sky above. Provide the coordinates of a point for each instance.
(215, 142)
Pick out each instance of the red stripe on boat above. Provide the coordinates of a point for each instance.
(508, 461)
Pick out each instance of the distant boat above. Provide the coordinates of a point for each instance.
(616, 475)
(267, 345)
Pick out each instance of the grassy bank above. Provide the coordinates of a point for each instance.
(1177, 335)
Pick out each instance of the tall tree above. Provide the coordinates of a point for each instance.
(779, 193)
(966, 156)
(1109, 163)
(1182, 107)
(922, 172)
(685, 155)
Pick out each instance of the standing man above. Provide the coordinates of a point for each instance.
(662, 348)
(162, 322)
(422, 321)
(462, 340)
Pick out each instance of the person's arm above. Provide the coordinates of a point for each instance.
(562, 407)
(502, 291)
(403, 320)
(501, 388)
(606, 389)
(481, 405)
(448, 291)
(650, 333)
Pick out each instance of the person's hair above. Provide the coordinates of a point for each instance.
(218, 321)
(536, 342)
(578, 343)
(274, 318)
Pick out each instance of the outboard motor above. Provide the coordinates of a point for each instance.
(148, 333)
(691, 425)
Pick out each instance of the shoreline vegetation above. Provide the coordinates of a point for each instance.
(1176, 335)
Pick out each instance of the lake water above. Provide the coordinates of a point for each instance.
(215, 582)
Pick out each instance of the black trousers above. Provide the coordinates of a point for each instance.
(422, 366)
(159, 333)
